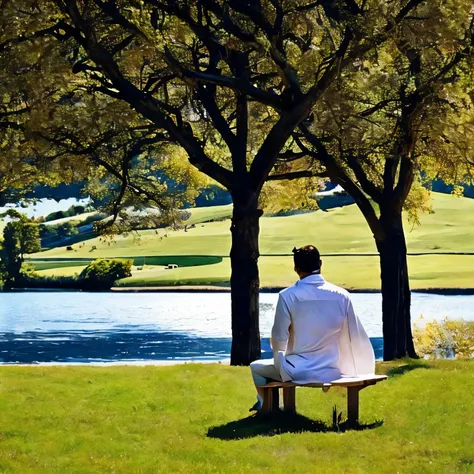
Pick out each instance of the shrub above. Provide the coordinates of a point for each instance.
(446, 339)
(102, 273)
(74, 210)
(60, 282)
(59, 231)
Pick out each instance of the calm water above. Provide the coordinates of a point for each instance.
(134, 327)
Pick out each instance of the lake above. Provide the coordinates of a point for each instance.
(80, 327)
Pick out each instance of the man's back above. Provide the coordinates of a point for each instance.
(312, 322)
(316, 336)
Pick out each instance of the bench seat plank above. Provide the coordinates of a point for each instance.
(342, 382)
(353, 385)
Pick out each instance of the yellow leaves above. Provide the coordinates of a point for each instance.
(448, 338)
(173, 161)
(418, 201)
(298, 194)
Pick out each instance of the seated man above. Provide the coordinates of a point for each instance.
(316, 336)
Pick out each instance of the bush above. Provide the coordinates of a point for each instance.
(57, 282)
(74, 210)
(59, 231)
(101, 273)
(446, 339)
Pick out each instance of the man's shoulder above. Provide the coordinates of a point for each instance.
(287, 291)
(325, 287)
(336, 289)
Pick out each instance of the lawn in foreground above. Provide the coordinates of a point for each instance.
(193, 418)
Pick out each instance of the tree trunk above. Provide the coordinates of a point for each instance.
(396, 298)
(245, 283)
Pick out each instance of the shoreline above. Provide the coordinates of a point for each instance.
(226, 289)
(270, 289)
(119, 363)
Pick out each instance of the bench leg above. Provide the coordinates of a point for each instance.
(271, 401)
(289, 399)
(353, 405)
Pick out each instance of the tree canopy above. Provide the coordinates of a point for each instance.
(233, 87)
(399, 118)
(20, 237)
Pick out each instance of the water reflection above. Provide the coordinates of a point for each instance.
(105, 327)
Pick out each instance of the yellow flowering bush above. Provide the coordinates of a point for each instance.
(445, 339)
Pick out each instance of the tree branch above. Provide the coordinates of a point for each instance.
(297, 175)
(145, 104)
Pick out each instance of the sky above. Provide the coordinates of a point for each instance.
(43, 207)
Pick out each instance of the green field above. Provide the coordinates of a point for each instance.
(207, 214)
(339, 231)
(443, 271)
(193, 419)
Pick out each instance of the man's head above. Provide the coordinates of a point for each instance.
(307, 260)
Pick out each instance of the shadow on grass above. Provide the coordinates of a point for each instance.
(271, 425)
(402, 369)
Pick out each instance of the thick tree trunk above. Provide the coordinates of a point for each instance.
(396, 298)
(244, 280)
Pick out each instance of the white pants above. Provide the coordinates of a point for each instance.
(262, 370)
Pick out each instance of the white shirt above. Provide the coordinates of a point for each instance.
(316, 336)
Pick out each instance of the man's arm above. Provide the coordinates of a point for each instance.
(281, 329)
(356, 354)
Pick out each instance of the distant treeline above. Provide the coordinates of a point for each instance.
(74, 210)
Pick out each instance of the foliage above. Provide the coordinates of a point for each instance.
(41, 281)
(74, 210)
(222, 85)
(20, 237)
(449, 338)
(101, 273)
(59, 231)
(398, 118)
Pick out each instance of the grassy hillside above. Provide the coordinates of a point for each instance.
(340, 231)
(207, 214)
(193, 419)
(441, 271)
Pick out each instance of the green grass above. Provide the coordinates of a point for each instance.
(439, 271)
(61, 271)
(339, 231)
(207, 214)
(56, 264)
(194, 419)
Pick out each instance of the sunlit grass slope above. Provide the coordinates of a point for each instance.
(340, 230)
(440, 271)
(194, 419)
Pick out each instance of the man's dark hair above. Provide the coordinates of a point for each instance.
(307, 259)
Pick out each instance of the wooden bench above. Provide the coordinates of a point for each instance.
(271, 401)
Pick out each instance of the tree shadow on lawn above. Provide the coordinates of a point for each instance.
(403, 369)
(279, 423)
